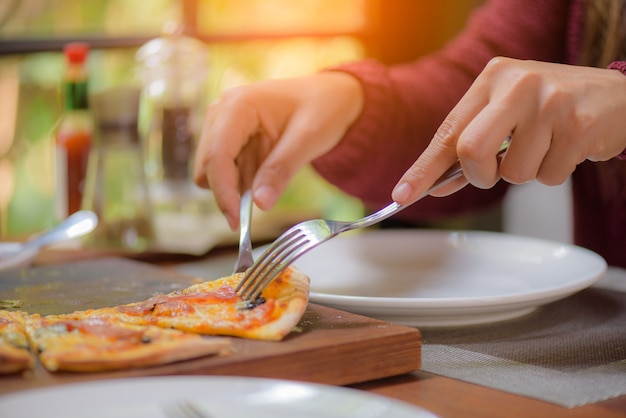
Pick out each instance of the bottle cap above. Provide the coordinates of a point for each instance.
(76, 52)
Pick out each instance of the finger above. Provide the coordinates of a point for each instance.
(526, 153)
(441, 152)
(559, 161)
(298, 145)
(480, 142)
(247, 162)
(452, 187)
(199, 174)
(228, 129)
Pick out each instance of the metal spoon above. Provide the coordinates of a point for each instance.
(76, 225)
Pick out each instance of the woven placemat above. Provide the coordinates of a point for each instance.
(571, 352)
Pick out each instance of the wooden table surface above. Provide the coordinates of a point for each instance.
(446, 397)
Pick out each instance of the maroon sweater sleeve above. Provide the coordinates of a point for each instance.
(405, 104)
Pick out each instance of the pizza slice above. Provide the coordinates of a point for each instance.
(79, 344)
(15, 355)
(213, 308)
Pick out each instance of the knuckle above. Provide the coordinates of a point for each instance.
(306, 127)
(584, 122)
(503, 65)
(236, 100)
(557, 101)
(497, 64)
(234, 94)
(446, 135)
(470, 151)
(275, 172)
(207, 156)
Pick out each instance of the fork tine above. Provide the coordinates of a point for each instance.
(272, 270)
(279, 242)
(272, 256)
(273, 266)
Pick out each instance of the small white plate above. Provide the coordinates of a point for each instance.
(443, 278)
(12, 258)
(217, 396)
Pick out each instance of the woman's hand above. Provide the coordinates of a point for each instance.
(278, 126)
(557, 115)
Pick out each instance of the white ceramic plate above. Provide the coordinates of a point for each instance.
(11, 258)
(442, 278)
(217, 396)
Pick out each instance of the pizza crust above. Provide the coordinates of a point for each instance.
(95, 344)
(296, 298)
(14, 351)
(13, 360)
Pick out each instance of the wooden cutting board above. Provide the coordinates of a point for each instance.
(331, 346)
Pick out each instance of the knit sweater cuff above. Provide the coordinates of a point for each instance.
(619, 66)
(350, 152)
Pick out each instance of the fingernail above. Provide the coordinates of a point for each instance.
(401, 193)
(265, 196)
(231, 222)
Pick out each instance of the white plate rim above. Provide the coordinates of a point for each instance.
(217, 383)
(516, 301)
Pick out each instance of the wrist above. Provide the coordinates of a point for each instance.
(348, 89)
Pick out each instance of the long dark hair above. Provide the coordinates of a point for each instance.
(605, 33)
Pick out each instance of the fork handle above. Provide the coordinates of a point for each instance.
(450, 175)
(244, 258)
(391, 209)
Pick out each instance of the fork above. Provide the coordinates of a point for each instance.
(307, 235)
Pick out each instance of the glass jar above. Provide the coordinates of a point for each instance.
(172, 70)
(173, 73)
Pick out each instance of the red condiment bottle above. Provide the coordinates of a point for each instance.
(74, 132)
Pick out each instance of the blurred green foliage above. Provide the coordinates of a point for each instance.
(32, 104)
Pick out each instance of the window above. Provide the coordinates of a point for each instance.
(248, 40)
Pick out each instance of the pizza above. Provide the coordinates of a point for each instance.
(65, 342)
(15, 355)
(185, 324)
(213, 308)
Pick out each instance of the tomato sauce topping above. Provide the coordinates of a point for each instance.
(170, 304)
(101, 327)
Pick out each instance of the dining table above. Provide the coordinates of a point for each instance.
(440, 393)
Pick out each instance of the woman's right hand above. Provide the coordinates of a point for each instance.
(280, 126)
(557, 116)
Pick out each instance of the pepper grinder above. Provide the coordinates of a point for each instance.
(173, 71)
